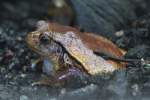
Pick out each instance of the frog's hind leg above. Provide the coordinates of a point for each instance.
(59, 77)
(67, 72)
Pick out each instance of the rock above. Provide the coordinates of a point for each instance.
(139, 51)
(103, 17)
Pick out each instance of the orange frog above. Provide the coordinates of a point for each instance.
(66, 51)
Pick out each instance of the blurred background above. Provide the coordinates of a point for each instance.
(125, 22)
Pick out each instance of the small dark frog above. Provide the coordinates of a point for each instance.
(65, 49)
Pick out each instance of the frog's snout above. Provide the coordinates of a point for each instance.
(32, 39)
(29, 39)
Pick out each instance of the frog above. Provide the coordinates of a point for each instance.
(66, 51)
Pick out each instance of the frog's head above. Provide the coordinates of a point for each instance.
(41, 43)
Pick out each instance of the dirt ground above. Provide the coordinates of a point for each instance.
(16, 76)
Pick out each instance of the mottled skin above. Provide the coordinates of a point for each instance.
(63, 63)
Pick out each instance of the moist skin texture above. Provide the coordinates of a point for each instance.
(74, 46)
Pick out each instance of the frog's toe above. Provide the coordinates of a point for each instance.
(42, 82)
(48, 82)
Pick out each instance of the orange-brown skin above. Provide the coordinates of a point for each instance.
(94, 42)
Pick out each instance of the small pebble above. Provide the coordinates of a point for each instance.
(19, 38)
(24, 97)
(23, 75)
(53, 99)
(63, 91)
(135, 88)
(119, 33)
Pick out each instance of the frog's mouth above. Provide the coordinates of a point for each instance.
(32, 40)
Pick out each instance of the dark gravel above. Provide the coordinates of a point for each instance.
(19, 16)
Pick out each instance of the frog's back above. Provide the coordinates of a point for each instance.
(96, 43)
(91, 43)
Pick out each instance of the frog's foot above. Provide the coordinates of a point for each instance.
(47, 82)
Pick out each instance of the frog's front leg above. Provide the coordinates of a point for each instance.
(37, 65)
(42, 65)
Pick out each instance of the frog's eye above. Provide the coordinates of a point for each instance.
(44, 39)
